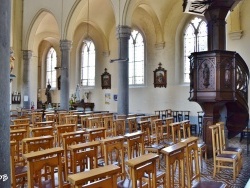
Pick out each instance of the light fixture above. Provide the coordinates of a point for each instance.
(119, 59)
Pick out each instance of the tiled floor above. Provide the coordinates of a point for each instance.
(226, 176)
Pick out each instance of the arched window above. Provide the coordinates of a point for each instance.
(136, 59)
(195, 40)
(50, 67)
(88, 63)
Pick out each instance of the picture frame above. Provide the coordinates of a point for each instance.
(106, 80)
(160, 77)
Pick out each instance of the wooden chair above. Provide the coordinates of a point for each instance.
(17, 166)
(119, 126)
(71, 138)
(175, 155)
(37, 143)
(141, 165)
(36, 117)
(121, 116)
(61, 117)
(42, 131)
(176, 132)
(223, 160)
(98, 134)
(84, 156)
(108, 124)
(50, 117)
(192, 160)
(25, 126)
(21, 121)
(224, 148)
(45, 167)
(95, 122)
(99, 177)
(84, 120)
(60, 129)
(135, 144)
(153, 148)
(44, 124)
(71, 119)
(17, 136)
(166, 128)
(185, 128)
(132, 124)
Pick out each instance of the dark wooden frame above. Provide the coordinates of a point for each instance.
(160, 77)
(106, 80)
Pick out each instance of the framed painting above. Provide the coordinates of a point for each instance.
(106, 80)
(160, 77)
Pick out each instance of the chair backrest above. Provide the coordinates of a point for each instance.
(176, 132)
(71, 119)
(114, 153)
(25, 126)
(84, 120)
(121, 116)
(17, 136)
(145, 118)
(17, 165)
(99, 177)
(135, 144)
(61, 117)
(37, 143)
(186, 128)
(36, 117)
(42, 131)
(108, 124)
(95, 122)
(119, 126)
(44, 124)
(132, 124)
(145, 164)
(221, 126)
(21, 121)
(84, 156)
(63, 129)
(42, 166)
(192, 160)
(215, 140)
(145, 128)
(158, 124)
(51, 117)
(71, 138)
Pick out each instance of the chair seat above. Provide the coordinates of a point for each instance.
(233, 149)
(21, 170)
(127, 183)
(229, 156)
(154, 146)
(209, 184)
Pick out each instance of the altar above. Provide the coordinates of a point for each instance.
(84, 105)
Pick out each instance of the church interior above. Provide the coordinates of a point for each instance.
(125, 93)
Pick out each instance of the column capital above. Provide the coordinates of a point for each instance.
(27, 54)
(65, 44)
(123, 31)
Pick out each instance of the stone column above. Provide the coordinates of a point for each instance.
(5, 10)
(27, 54)
(64, 94)
(123, 35)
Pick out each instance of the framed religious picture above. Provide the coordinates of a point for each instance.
(106, 80)
(160, 77)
